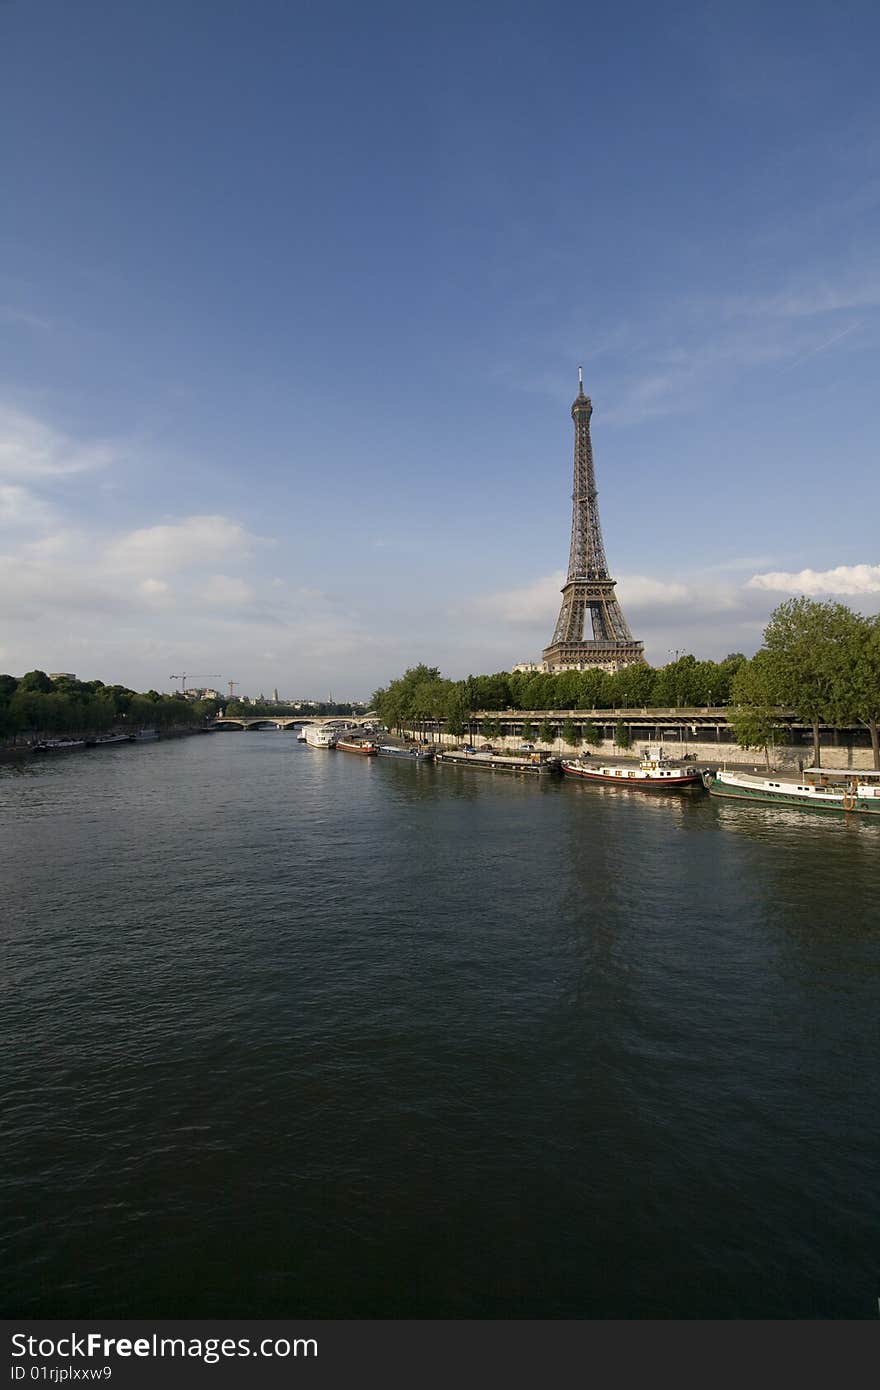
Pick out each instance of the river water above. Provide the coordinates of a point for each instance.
(287, 1032)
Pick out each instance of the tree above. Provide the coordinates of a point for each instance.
(528, 732)
(457, 711)
(546, 733)
(622, 735)
(863, 676)
(36, 681)
(570, 734)
(592, 734)
(805, 641)
(754, 715)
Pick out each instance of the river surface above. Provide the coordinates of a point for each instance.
(287, 1032)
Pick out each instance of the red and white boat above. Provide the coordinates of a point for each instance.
(655, 771)
(357, 745)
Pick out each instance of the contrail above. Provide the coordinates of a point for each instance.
(822, 346)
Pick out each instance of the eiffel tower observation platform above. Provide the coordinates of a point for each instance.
(588, 591)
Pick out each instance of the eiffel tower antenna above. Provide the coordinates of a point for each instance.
(589, 588)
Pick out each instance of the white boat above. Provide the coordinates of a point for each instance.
(655, 771)
(321, 736)
(58, 745)
(818, 789)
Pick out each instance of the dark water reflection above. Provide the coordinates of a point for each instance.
(289, 1032)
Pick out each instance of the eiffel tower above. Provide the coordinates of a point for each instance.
(589, 587)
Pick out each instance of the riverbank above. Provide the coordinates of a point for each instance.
(22, 749)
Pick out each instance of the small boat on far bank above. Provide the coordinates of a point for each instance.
(58, 745)
(655, 771)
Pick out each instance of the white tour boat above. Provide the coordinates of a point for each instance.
(321, 736)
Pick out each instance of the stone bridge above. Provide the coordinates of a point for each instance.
(287, 721)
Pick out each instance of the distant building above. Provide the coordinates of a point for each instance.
(529, 667)
(61, 676)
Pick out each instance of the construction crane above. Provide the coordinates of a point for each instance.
(199, 675)
(232, 685)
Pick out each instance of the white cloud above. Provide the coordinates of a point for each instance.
(19, 507)
(533, 603)
(190, 543)
(155, 589)
(637, 591)
(844, 579)
(224, 589)
(31, 449)
(539, 601)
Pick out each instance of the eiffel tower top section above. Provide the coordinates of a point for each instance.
(587, 556)
(589, 589)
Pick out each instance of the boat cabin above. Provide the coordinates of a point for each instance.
(834, 776)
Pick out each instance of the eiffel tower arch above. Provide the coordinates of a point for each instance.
(588, 589)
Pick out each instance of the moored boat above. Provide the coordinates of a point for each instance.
(320, 736)
(539, 762)
(416, 753)
(58, 745)
(104, 740)
(364, 746)
(654, 771)
(819, 789)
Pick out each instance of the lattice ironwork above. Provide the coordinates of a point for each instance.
(589, 589)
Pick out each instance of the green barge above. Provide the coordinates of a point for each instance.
(820, 789)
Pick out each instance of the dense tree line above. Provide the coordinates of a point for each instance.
(36, 704)
(820, 660)
(237, 709)
(421, 694)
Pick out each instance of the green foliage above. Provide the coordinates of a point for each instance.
(528, 732)
(87, 707)
(396, 703)
(804, 642)
(754, 713)
(37, 682)
(821, 660)
(861, 676)
(570, 734)
(592, 734)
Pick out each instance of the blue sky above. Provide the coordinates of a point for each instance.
(292, 299)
